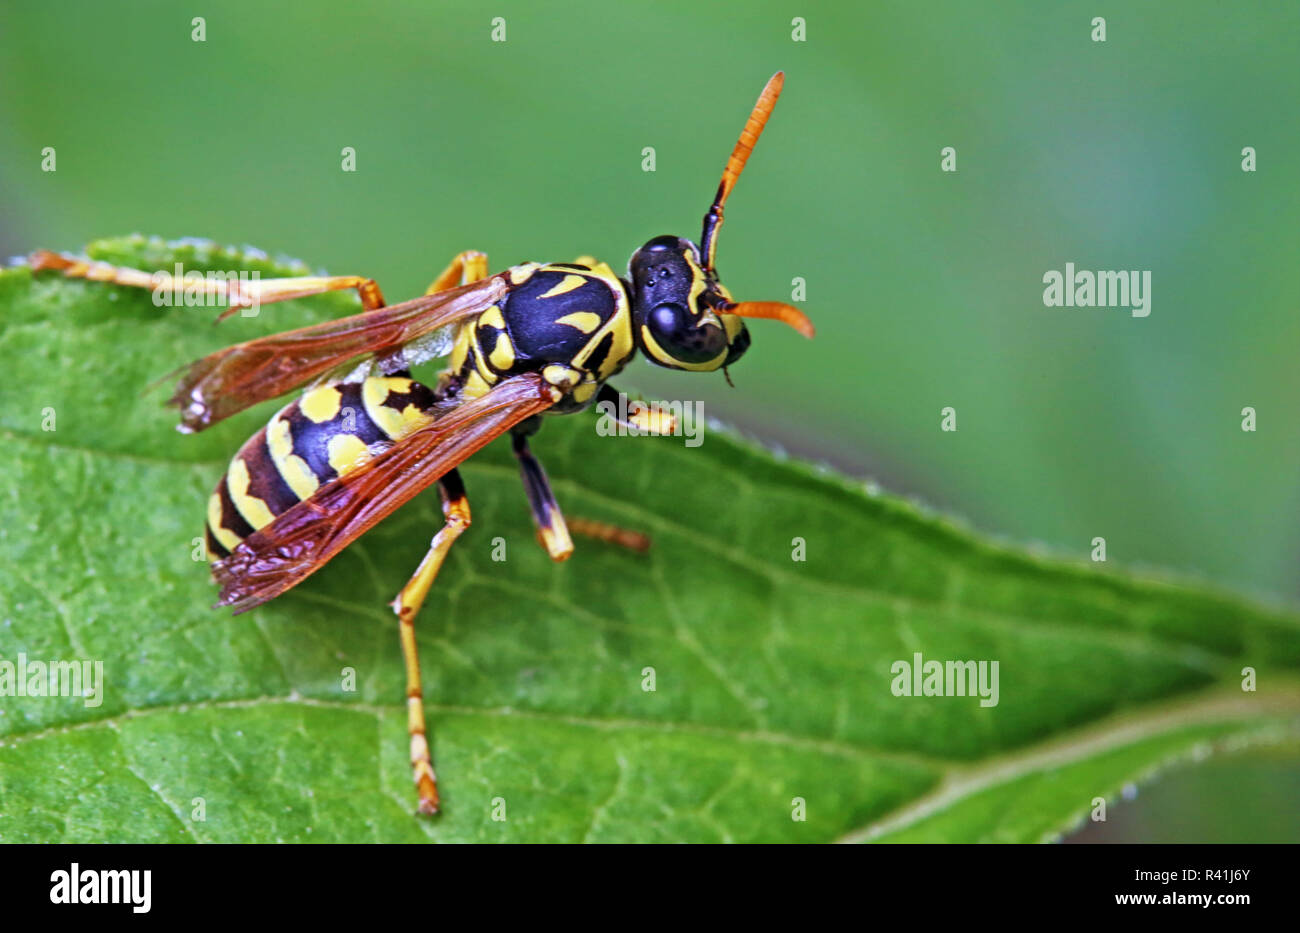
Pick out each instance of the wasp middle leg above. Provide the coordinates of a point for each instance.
(552, 530)
(552, 527)
(407, 604)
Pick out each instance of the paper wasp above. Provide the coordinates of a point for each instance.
(535, 339)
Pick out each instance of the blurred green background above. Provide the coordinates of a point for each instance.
(926, 287)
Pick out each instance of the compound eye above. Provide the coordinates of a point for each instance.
(667, 321)
(677, 332)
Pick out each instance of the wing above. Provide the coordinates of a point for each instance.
(232, 379)
(301, 540)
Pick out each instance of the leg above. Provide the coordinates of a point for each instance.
(552, 529)
(407, 604)
(235, 293)
(643, 419)
(469, 266)
(610, 534)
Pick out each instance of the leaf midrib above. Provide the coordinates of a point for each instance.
(1185, 653)
(957, 781)
(767, 737)
(1219, 704)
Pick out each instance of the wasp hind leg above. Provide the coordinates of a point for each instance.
(236, 293)
(552, 528)
(467, 267)
(407, 604)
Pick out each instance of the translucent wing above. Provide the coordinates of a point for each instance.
(232, 379)
(301, 540)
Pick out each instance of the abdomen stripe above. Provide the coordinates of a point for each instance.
(273, 480)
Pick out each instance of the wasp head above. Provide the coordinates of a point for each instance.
(678, 308)
(682, 316)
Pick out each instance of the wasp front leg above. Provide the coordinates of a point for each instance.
(645, 419)
(469, 266)
(237, 294)
(455, 509)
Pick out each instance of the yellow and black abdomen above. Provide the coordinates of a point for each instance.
(326, 433)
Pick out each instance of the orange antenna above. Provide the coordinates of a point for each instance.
(772, 311)
(736, 164)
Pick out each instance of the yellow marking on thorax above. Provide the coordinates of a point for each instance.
(520, 274)
(321, 404)
(475, 386)
(621, 327)
(481, 366)
(460, 351)
(623, 347)
(346, 453)
(493, 317)
(620, 324)
(502, 356)
(583, 393)
(566, 285)
(585, 321)
(396, 424)
(253, 509)
(227, 538)
(600, 270)
(603, 270)
(293, 468)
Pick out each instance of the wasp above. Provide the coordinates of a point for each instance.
(364, 438)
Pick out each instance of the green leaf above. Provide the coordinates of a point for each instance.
(772, 675)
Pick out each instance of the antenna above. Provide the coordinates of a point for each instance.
(736, 164)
